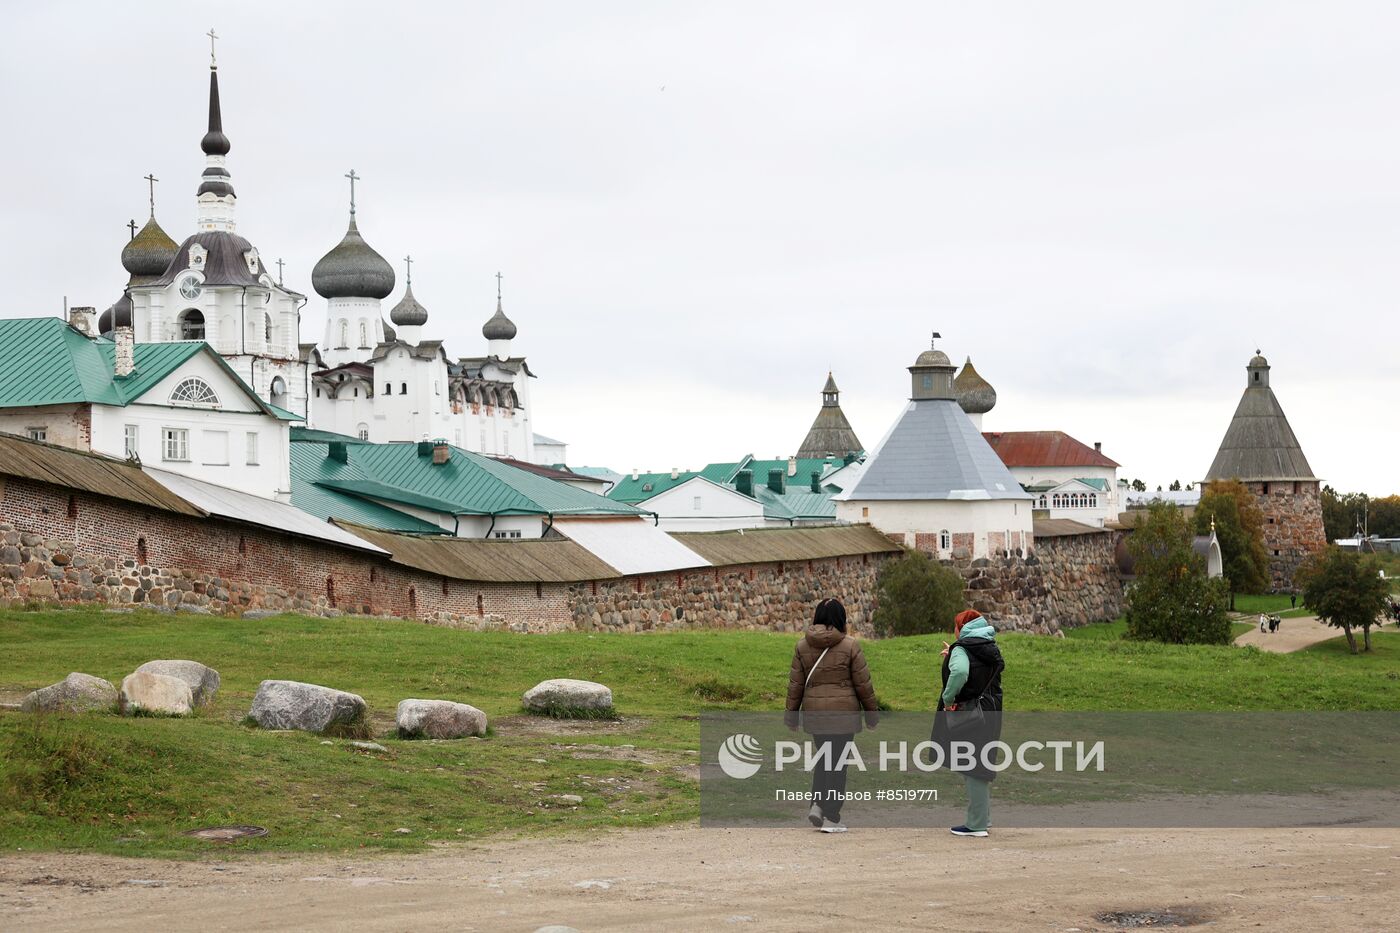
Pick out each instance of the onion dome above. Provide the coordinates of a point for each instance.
(118, 315)
(499, 327)
(353, 270)
(975, 395)
(150, 251)
(408, 312)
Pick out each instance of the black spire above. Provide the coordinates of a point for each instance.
(214, 141)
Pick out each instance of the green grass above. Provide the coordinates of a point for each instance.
(100, 782)
(1274, 603)
(1118, 629)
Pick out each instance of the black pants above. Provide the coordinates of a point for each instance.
(828, 775)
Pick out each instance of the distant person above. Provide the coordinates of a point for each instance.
(972, 667)
(1292, 600)
(828, 688)
(1263, 622)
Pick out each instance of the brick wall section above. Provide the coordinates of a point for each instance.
(58, 546)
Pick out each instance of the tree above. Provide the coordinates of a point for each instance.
(1175, 486)
(1345, 589)
(916, 595)
(1139, 486)
(1342, 513)
(1171, 599)
(1239, 524)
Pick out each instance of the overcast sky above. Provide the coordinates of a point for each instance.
(700, 208)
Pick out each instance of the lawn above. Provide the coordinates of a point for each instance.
(1118, 629)
(103, 783)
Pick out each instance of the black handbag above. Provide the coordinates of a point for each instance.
(970, 720)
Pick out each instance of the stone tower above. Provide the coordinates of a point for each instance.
(1261, 451)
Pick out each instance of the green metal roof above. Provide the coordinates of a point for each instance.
(467, 484)
(647, 485)
(1097, 482)
(326, 503)
(312, 434)
(47, 362)
(796, 504)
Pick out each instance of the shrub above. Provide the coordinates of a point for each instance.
(1171, 599)
(916, 596)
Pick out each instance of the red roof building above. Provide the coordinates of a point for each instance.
(1045, 449)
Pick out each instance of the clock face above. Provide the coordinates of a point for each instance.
(190, 289)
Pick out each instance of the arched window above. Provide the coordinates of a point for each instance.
(267, 330)
(388, 388)
(362, 432)
(945, 540)
(191, 324)
(344, 334)
(194, 391)
(1093, 500)
(364, 335)
(278, 389)
(403, 388)
(1042, 502)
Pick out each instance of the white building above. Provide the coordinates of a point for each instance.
(175, 405)
(214, 286)
(934, 483)
(369, 378)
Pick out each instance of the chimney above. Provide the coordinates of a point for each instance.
(441, 452)
(339, 451)
(1098, 446)
(84, 320)
(425, 447)
(792, 466)
(675, 473)
(126, 352)
(777, 481)
(743, 482)
(816, 481)
(635, 474)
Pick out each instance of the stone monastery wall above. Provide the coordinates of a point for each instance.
(1064, 583)
(63, 546)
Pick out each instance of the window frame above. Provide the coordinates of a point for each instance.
(181, 437)
(250, 448)
(208, 398)
(131, 441)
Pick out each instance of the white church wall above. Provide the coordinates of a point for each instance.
(983, 520)
(700, 505)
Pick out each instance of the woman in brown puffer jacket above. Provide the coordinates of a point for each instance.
(829, 684)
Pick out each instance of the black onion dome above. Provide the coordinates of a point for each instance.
(118, 315)
(214, 141)
(150, 251)
(499, 327)
(353, 270)
(408, 312)
(975, 395)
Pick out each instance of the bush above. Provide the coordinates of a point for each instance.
(916, 596)
(1171, 599)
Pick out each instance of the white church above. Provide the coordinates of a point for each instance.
(370, 379)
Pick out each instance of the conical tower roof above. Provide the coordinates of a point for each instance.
(1260, 443)
(830, 434)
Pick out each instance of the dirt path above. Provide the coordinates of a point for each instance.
(688, 878)
(1292, 635)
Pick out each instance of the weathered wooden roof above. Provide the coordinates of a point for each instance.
(768, 545)
(1260, 444)
(486, 560)
(1064, 528)
(94, 473)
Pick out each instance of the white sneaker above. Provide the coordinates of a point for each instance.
(830, 827)
(814, 816)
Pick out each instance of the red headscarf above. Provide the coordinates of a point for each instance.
(964, 617)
